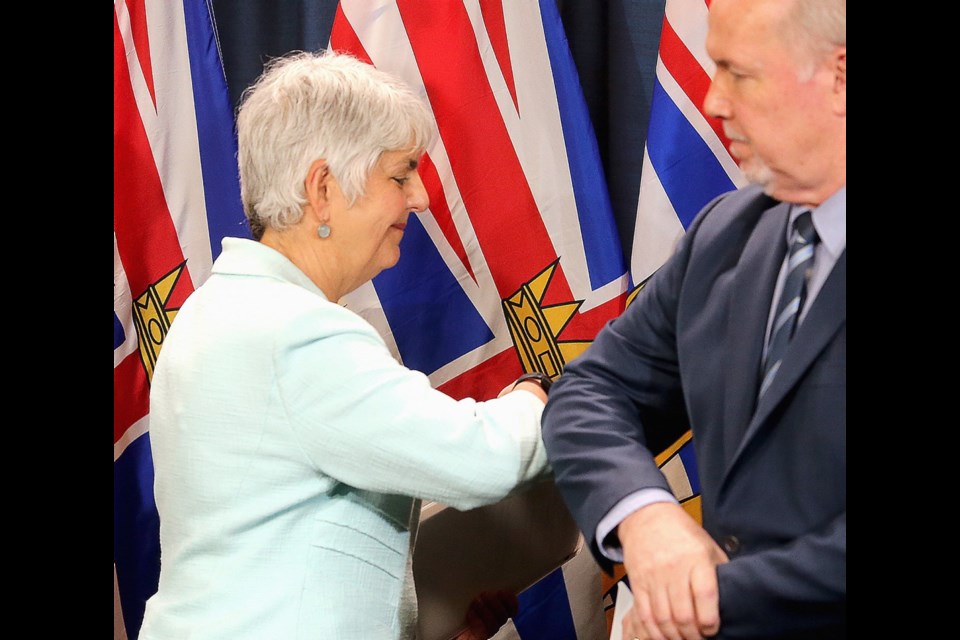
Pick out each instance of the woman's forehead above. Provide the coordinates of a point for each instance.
(402, 159)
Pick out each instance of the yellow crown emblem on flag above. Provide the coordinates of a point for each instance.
(535, 328)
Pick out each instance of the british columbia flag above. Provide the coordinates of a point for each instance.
(686, 163)
(514, 267)
(175, 195)
(516, 264)
(686, 160)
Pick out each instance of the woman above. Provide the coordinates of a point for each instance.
(291, 450)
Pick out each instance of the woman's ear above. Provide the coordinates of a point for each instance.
(316, 185)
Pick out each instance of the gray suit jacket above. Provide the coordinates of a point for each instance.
(686, 354)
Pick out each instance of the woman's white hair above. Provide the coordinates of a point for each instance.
(307, 106)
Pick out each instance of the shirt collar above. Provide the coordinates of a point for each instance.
(830, 221)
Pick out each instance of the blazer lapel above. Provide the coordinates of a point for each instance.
(748, 311)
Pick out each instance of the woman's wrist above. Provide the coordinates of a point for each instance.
(541, 379)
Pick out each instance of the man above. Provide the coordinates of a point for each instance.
(708, 345)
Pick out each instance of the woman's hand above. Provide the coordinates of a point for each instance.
(487, 613)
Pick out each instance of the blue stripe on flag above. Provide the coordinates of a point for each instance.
(544, 611)
(215, 128)
(432, 319)
(686, 166)
(689, 458)
(597, 226)
(136, 532)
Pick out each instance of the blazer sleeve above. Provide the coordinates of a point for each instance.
(364, 419)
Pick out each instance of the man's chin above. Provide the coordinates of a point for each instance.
(757, 173)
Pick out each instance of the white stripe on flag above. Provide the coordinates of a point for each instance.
(688, 19)
(657, 230)
(171, 126)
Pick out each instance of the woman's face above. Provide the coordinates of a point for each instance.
(369, 232)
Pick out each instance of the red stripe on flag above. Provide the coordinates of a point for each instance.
(491, 180)
(441, 212)
(344, 38)
(492, 11)
(131, 394)
(486, 379)
(688, 73)
(141, 40)
(146, 237)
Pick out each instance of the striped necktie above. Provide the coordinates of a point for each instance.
(792, 297)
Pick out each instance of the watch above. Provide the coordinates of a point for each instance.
(541, 378)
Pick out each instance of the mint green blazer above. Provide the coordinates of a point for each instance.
(291, 453)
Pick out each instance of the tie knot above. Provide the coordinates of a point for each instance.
(806, 234)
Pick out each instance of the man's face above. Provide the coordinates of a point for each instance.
(779, 112)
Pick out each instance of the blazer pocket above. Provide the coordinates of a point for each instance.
(353, 580)
(358, 528)
(354, 544)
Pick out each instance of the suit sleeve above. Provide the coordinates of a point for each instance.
(619, 404)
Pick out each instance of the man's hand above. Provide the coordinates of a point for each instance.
(671, 562)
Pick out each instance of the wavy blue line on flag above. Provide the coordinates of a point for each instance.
(686, 166)
(217, 140)
(432, 319)
(594, 210)
(544, 610)
(136, 532)
(689, 458)
(136, 523)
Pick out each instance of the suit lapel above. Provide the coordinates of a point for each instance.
(757, 272)
(826, 315)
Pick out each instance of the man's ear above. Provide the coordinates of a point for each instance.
(840, 80)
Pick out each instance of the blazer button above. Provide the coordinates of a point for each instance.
(731, 544)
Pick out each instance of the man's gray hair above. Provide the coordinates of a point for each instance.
(815, 28)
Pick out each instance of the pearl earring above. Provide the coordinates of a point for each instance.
(323, 231)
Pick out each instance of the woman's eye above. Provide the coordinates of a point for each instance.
(400, 181)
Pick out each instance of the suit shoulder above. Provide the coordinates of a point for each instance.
(728, 206)
(731, 212)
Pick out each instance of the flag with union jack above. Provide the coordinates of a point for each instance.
(686, 163)
(686, 160)
(517, 263)
(176, 194)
